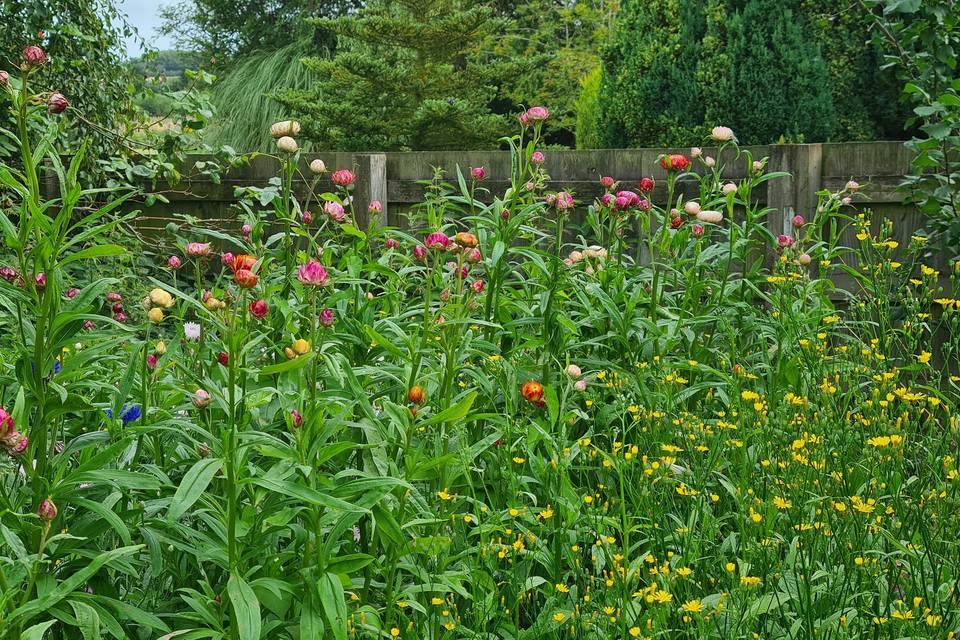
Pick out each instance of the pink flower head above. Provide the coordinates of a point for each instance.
(120, 317)
(607, 182)
(199, 249)
(327, 318)
(152, 361)
(72, 292)
(9, 274)
(537, 114)
(4, 78)
(34, 56)
(47, 511)
(307, 217)
(676, 223)
(173, 262)
(40, 280)
(629, 197)
(419, 252)
(477, 286)
(697, 230)
(505, 214)
(259, 309)
(57, 103)
(784, 240)
(437, 240)
(375, 207)
(473, 256)
(644, 205)
(6, 423)
(335, 211)
(88, 325)
(391, 243)
(621, 202)
(296, 418)
(313, 274)
(646, 184)
(343, 177)
(227, 259)
(798, 220)
(564, 201)
(607, 199)
(478, 173)
(538, 158)
(19, 444)
(246, 229)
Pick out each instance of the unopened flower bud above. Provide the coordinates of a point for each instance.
(47, 510)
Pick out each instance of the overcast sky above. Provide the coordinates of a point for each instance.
(145, 16)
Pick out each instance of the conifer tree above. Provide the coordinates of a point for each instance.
(407, 74)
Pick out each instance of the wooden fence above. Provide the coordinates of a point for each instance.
(395, 180)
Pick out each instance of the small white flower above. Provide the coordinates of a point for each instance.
(191, 330)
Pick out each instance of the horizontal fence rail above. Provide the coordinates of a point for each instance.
(395, 179)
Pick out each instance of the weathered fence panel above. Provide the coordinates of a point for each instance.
(395, 179)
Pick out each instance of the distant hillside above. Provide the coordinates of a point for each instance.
(169, 63)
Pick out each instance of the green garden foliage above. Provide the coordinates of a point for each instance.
(227, 30)
(82, 39)
(588, 134)
(561, 39)
(412, 74)
(790, 70)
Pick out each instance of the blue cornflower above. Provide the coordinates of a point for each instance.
(128, 414)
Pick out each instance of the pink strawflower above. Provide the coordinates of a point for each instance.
(564, 201)
(798, 220)
(391, 243)
(259, 309)
(646, 184)
(537, 158)
(697, 230)
(375, 207)
(477, 286)
(537, 114)
(6, 423)
(227, 259)
(607, 182)
(173, 262)
(419, 252)
(343, 177)
(307, 217)
(784, 240)
(327, 317)
(478, 173)
(34, 56)
(437, 240)
(72, 292)
(313, 274)
(199, 249)
(335, 211)
(57, 103)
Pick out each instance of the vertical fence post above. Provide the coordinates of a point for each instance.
(371, 185)
(796, 193)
